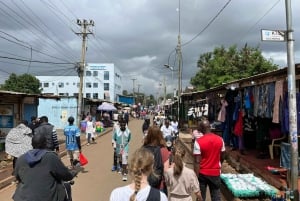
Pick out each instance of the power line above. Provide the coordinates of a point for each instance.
(33, 61)
(209, 23)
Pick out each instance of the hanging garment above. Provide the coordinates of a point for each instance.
(278, 96)
(222, 113)
(238, 127)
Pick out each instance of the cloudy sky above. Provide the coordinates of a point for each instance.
(138, 36)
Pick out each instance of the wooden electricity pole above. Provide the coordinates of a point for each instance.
(84, 33)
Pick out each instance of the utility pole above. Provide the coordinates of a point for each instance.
(292, 103)
(133, 86)
(84, 24)
(138, 93)
(179, 55)
(165, 94)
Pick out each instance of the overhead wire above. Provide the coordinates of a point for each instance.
(22, 25)
(267, 12)
(209, 23)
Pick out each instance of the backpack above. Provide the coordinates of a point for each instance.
(155, 178)
(154, 195)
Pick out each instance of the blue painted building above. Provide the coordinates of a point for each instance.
(58, 110)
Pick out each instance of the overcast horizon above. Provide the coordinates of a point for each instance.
(138, 36)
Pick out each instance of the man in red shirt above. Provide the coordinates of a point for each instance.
(209, 152)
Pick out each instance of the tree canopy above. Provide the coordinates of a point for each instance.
(224, 65)
(25, 83)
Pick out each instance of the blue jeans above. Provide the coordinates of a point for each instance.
(214, 184)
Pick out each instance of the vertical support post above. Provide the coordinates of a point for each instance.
(84, 24)
(293, 135)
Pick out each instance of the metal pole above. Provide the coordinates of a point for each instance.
(293, 136)
(133, 86)
(179, 64)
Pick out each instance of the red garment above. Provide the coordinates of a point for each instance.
(210, 148)
(238, 127)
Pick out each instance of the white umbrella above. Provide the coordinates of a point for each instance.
(106, 107)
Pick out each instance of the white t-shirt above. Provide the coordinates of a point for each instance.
(174, 124)
(167, 131)
(89, 127)
(124, 193)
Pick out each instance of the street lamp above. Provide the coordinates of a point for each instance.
(179, 87)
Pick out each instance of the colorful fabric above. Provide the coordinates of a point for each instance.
(238, 127)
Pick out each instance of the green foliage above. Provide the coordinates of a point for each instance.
(25, 83)
(225, 65)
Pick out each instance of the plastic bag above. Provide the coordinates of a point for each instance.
(82, 159)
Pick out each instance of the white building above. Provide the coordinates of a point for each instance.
(101, 81)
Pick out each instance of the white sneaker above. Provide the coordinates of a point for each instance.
(124, 177)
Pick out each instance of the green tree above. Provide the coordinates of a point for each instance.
(224, 65)
(25, 83)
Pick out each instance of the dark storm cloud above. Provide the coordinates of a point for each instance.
(138, 36)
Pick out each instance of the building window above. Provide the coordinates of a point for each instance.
(88, 85)
(88, 95)
(95, 85)
(67, 83)
(95, 73)
(61, 85)
(52, 83)
(61, 94)
(46, 84)
(74, 83)
(106, 75)
(106, 86)
(78, 84)
(75, 94)
(95, 95)
(88, 73)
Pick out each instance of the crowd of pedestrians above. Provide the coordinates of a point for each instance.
(157, 173)
(175, 180)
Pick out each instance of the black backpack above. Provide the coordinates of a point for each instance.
(155, 178)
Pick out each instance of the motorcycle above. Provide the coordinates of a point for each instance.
(67, 184)
(169, 142)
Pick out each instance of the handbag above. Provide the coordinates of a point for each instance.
(82, 159)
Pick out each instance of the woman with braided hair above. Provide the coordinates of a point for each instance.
(180, 180)
(140, 167)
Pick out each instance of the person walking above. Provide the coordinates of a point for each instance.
(33, 124)
(146, 125)
(18, 141)
(209, 152)
(49, 131)
(116, 166)
(122, 138)
(154, 141)
(73, 145)
(180, 180)
(140, 167)
(90, 130)
(40, 173)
